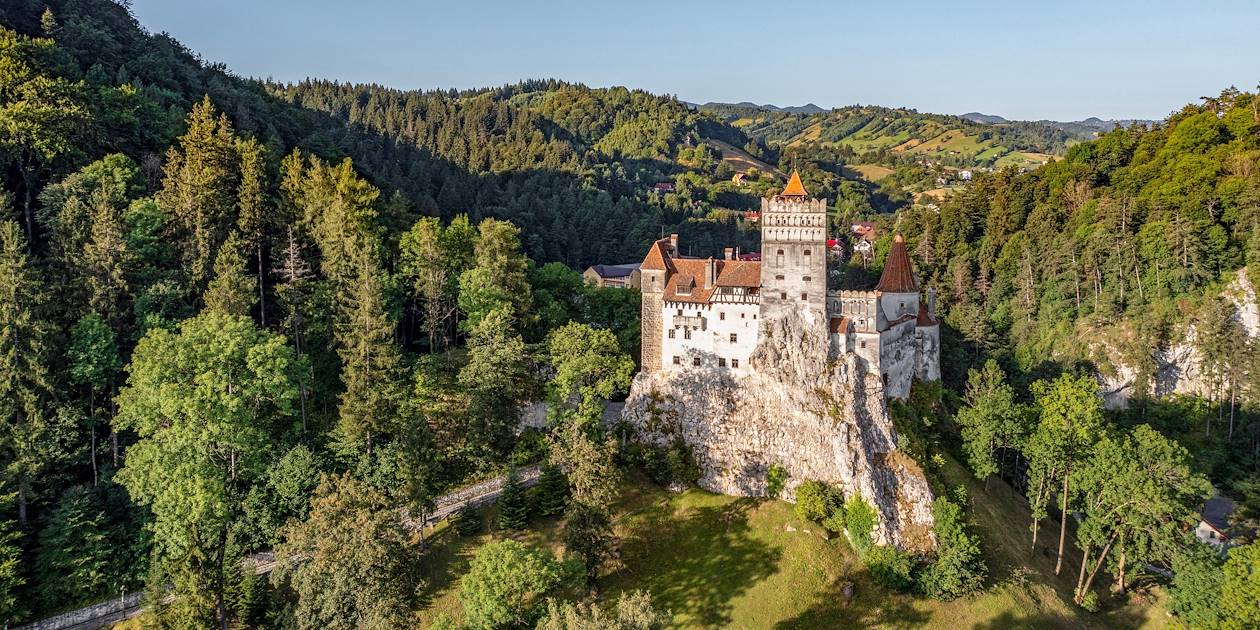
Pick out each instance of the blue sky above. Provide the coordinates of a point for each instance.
(1022, 59)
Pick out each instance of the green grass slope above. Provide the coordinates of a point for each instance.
(719, 561)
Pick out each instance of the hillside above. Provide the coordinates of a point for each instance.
(570, 164)
(882, 134)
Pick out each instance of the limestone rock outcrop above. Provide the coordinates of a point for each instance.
(817, 418)
(1179, 365)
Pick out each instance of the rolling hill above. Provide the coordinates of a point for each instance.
(885, 135)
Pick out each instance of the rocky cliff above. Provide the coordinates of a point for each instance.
(817, 418)
(1179, 365)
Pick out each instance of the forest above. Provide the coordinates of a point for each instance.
(240, 316)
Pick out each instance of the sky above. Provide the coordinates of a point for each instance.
(1022, 59)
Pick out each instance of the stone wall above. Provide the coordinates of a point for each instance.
(817, 418)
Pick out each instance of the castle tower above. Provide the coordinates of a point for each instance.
(654, 273)
(794, 254)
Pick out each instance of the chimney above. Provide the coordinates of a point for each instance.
(673, 243)
(728, 253)
(710, 272)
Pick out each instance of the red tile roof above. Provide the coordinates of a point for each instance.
(657, 259)
(898, 276)
(739, 273)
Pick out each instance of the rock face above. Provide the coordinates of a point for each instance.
(817, 418)
(1179, 366)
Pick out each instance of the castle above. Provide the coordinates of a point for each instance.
(709, 313)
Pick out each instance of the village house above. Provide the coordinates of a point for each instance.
(624, 276)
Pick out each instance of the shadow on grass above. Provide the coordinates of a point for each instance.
(869, 607)
(696, 563)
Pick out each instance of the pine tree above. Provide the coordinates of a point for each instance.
(232, 291)
(11, 579)
(553, 491)
(200, 189)
(28, 435)
(371, 361)
(105, 260)
(513, 504)
(468, 521)
(252, 212)
(74, 552)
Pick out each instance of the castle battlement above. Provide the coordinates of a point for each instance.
(708, 313)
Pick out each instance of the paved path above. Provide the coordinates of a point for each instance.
(106, 613)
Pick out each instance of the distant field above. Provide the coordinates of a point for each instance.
(719, 561)
(936, 193)
(740, 160)
(1023, 159)
(870, 172)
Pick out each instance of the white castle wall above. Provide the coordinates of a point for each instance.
(719, 321)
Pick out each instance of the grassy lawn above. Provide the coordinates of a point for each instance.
(718, 561)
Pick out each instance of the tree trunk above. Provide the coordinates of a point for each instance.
(1232, 392)
(1080, 577)
(1058, 564)
(21, 502)
(92, 428)
(262, 291)
(1080, 595)
(1123, 586)
(221, 586)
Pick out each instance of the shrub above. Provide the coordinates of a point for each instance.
(468, 521)
(530, 448)
(888, 566)
(1090, 602)
(817, 501)
(860, 520)
(674, 464)
(959, 568)
(776, 479)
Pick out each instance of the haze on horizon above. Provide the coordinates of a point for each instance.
(1068, 61)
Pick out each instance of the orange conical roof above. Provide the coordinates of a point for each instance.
(898, 276)
(794, 186)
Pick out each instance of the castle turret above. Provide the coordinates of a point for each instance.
(793, 254)
(898, 290)
(654, 274)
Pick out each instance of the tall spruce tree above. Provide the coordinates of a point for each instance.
(29, 434)
(253, 212)
(232, 290)
(199, 188)
(371, 361)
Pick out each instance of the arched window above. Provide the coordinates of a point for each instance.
(779, 253)
(807, 252)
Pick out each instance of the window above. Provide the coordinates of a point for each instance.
(696, 362)
(734, 363)
(864, 344)
(677, 360)
(721, 362)
(779, 277)
(680, 312)
(804, 296)
(806, 278)
(807, 252)
(671, 333)
(734, 337)
(722, 315)
(782, 295)
(780, 252)
(686, 333)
